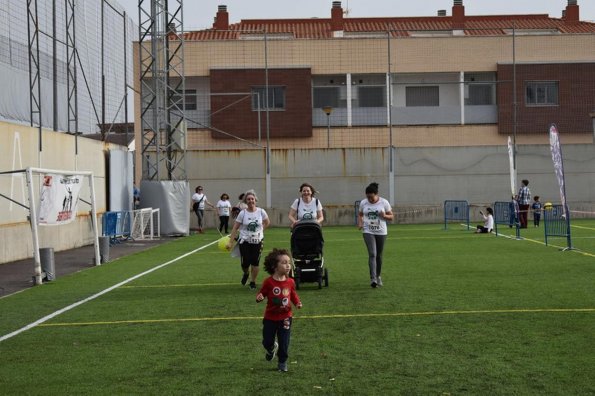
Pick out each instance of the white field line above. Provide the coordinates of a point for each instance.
(542, 243)
(99, 294)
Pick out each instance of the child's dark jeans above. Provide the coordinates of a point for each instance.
(281, 329)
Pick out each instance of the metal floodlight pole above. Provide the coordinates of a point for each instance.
(161, 60)
(258, 106)
(514, 95)
(71, 82)
(391, 156)
(34, 67)
(54, 69)
(268, 121)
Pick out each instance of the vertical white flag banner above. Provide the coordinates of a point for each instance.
(558, 164)
(58, 199)
(512, 167)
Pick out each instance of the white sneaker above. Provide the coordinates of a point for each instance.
(379, 282)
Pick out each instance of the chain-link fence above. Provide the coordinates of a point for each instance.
(103, 37)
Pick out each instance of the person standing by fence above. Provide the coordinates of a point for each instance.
(524, 199)
(536, 211)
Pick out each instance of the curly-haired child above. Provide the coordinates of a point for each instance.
(279, 290)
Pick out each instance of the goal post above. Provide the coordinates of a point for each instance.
(145, 224)
(70, 189)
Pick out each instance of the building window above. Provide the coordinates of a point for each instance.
(422, 96)
(276, 99)
(371, 96)
(480, 95)
(326, 96)
(190, 99)
(542, 93)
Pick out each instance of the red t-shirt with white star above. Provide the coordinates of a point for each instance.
(279, 295)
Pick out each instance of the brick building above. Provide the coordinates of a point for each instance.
(452, 79)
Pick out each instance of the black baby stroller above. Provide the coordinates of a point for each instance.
(306, 249)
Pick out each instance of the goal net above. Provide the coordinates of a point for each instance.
(145, 224)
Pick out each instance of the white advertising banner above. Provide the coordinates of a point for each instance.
(58, 199)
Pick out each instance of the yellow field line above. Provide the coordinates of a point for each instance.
(333, 316)
(175, 285)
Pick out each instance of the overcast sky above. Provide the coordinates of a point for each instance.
(198, 14)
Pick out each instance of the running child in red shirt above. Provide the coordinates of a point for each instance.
(279, 290)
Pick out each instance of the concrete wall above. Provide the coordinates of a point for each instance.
(19, 150)
(424, 177)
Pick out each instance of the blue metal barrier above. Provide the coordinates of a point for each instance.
(556, 222)
(116, 225)
(456, 210)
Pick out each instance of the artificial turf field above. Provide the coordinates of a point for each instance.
(459, 313)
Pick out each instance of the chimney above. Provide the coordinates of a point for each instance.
(441, 12)
(458, 15)
(336, 17)
(572, 12)
(222, 19)
(171, 28)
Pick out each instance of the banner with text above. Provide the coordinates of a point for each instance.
(58, 199)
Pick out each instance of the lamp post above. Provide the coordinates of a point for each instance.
(328, 110)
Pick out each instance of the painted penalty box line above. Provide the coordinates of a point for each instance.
(101, 293)
(330, 316)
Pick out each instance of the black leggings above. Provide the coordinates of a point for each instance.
(223, 223)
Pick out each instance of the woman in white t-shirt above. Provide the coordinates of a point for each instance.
(488, 225)
(307, 207)
(250, 224)
(374, 212)
(199, 200)
(223, 210)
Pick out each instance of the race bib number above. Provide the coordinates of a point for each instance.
(374, 225)
(253, 239)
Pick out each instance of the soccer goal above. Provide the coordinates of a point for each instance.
(56, 204)
(145, 224)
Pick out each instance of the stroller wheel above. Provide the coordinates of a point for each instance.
(325, 277)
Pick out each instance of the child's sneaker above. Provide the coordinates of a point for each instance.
(379, 282)
(252, 285)
(270, 355)
(283, 367)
